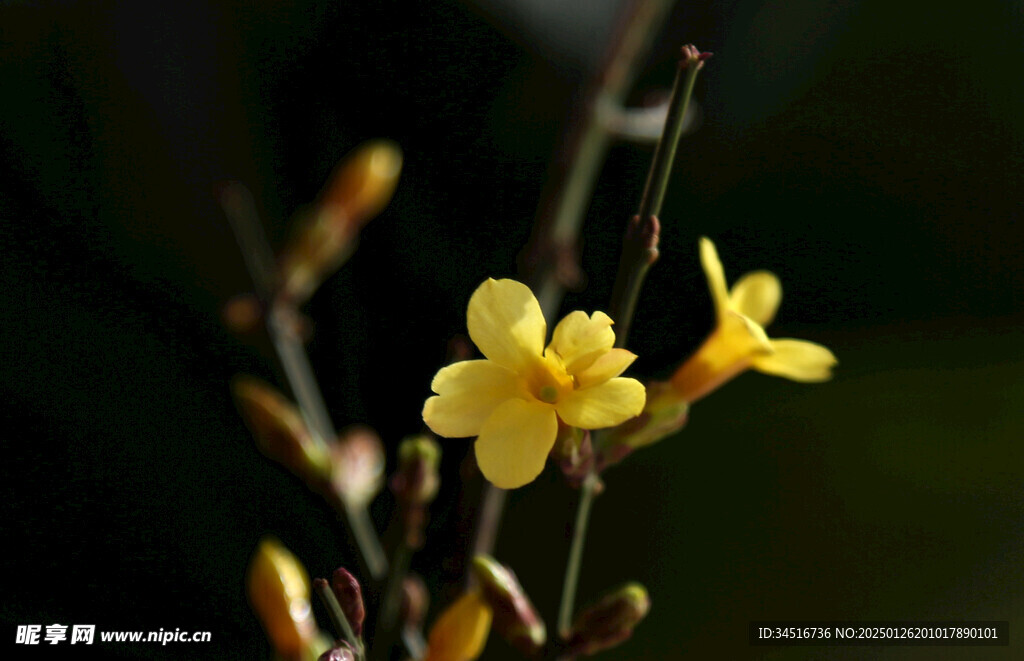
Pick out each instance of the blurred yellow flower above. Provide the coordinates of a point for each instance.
(459, 634)
(513, 400)
(739, 341)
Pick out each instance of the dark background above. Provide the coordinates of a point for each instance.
(867, 152)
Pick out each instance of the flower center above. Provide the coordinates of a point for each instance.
(548, 394)
(547, 381)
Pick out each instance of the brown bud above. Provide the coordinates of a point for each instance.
(350, 597)
(573, 453)
(280, 432)
(415, 601)
(694, 57)
(357, 465)
(243, 313)
(610, 621)
(515, 618)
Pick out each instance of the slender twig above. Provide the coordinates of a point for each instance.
(414, 643)
(640, 246)
(572, 570)
(565, 199)
(240, 209)
(334, 611)
(390, 603)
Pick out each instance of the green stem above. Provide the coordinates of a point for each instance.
(665, 152)
(384, 633)
(572, 570)
(640, 246)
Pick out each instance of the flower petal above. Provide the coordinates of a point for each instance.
(515, 441)
(605, 405)
(579, 340)
(757, 295)
(506, 323)
(606, 367)
(798, 360)
(715, 274)
(468, 393)
(461, 630)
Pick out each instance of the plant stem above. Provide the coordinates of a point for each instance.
(639, 251)
(572, 570)
(387, 615)
(640, 245)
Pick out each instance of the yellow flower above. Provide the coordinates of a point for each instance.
(460, 632)
(513, 400)
(739, 341)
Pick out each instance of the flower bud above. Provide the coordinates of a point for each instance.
(280, 432)
(340, 652)
(573, 453)
(357, 459)
(610, 621)
(459, 634)
(278, 590)
(515, 618)
(350, 597)
(417, 479)
(415, 601)
(415, 484)
(243, 313)
(363, 183)
(358, 189)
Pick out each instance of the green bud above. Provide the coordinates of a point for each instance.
(417, 479)
(515, 618)
(280, 432)
(610, 621)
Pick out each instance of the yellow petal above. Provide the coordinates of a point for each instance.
(468, 392)
(579, 340)
(798, 360)
(606, 367)
(605, 405)
(460, 632)
(757, 295)
(506, 323)
(715, 275)
(515, 441)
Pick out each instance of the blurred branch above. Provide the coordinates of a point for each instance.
(240, 209)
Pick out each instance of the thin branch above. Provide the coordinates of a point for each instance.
(240, 209)
(640, 245)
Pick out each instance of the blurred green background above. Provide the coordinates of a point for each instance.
(867, 152)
